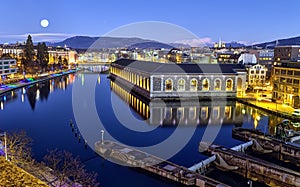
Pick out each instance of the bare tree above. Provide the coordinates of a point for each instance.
(69, 170)
(18, 148)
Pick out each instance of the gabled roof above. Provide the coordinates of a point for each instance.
(171, 68)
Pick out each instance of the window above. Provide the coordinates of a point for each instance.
(205, 84)
(296, 81)
(181, 85)
(169, 85)
(217, 85)
(229, 85)
(283, 72)
(297, 73)
(193, 85)
(289, 72)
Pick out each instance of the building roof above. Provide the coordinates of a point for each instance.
(171, 68)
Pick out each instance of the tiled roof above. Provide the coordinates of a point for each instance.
(171, 68)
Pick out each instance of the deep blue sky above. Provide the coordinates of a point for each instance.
(238, 20)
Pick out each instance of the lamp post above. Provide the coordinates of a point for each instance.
(102, 136)
(5, 145)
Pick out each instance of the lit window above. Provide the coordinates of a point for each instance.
(229, 85)
(205, 84)
(193, 85)
(169, 85)
(181, 85)
(217, 85)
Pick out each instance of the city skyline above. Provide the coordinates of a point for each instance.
(246, 22)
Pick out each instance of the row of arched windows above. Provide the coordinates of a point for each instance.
(181, 85)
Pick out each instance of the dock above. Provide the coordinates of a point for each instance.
(285, 150)
(253, 168)
(131, 157)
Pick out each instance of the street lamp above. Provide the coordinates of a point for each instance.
(102, 136)
(5, 146)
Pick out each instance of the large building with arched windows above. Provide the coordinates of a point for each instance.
(169, 80)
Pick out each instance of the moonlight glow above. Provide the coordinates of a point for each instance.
(44, 23)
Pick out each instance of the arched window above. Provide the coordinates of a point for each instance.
(229, 85)
(205, 84)
(181, 85)
(169, 85)
(217, 85)
(193, 85)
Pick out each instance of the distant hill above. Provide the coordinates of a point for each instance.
(150, 45)
(234, 44)
(85, 42)
(280, 42)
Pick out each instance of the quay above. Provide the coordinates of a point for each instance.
(253, 168)
(272, 108)
(135, 158)
(287, 150)
(14, 86)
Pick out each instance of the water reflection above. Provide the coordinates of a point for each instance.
(39, 91)
(182, 113)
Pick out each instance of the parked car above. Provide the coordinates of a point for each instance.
(296, 112)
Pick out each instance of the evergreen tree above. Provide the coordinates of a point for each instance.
(42, 55)
(65, 62)
(28, 52)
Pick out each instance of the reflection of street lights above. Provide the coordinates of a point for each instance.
(5, 146)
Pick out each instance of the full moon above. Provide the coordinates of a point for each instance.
(44, 23)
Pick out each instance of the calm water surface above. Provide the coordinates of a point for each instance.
(44, 111)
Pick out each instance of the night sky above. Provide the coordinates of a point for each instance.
(231, 20)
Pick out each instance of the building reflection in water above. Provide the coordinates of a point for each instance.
(158, 112)
(39, 91)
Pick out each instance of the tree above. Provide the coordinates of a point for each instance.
(65, 62)
(29, 52)
(59, 63)
(69, 170)
(42, 55)
(18, 148)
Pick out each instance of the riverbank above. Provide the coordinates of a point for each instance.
(277, 109)
(30, 81)
(12, 175)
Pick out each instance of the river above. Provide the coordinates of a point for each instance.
(45, 109)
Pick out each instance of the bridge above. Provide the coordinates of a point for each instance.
(94, 66)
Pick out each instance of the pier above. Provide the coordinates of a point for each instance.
(287, 150)
(135, 158)
(253, 168)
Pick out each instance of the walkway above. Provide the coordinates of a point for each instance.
(12, 86)
(278, 109)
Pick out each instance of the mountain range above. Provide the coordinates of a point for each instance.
(86, 42)
(281, 42)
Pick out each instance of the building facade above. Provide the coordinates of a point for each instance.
(7, 67)
(266, 58)
(286, 75)
(287, 53)
(247, 58)
(286, 83)
(168, 80)
(257, 75)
